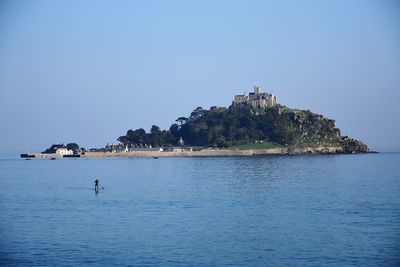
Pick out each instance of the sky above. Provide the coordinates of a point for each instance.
(88, 71)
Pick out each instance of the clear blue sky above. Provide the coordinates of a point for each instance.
(87, 71)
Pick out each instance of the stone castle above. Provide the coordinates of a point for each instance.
(257, 99)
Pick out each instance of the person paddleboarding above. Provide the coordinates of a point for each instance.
(96, 185)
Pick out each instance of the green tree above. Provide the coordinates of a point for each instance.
(74, 147)
(181, 121)
(124, 140)
(196, 114)
(156, 138)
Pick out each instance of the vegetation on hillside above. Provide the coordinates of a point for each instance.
(246, 126)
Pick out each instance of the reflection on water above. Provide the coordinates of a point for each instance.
(245, 211)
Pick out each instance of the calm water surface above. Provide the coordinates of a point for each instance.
(337, 210)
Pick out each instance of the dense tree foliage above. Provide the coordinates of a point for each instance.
(224, 127)
(74, 147)
(155, 138)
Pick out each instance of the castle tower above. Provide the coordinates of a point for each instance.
(256, 89)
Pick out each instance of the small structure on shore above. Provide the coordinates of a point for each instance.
(181, 142)
(63, 151)
(58, 149)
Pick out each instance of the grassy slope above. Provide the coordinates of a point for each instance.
(264, 145)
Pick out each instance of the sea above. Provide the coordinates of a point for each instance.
(305, 210)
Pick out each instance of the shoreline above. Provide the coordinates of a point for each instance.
(203, 153)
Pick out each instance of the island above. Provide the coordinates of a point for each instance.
(254, 124)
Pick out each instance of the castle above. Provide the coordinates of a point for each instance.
(256, 99)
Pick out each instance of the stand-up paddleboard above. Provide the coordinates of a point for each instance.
(96, 190)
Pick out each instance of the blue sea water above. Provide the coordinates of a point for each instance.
(331, 210)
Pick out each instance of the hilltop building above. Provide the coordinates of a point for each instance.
(257, 99)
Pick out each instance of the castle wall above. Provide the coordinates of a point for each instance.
(256, 99)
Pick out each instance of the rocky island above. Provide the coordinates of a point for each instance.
(255, 124)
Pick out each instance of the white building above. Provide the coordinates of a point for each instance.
(182, 149)
(64, 151)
